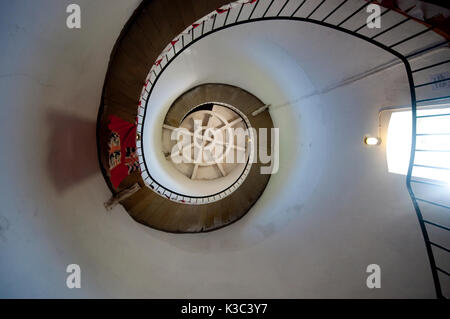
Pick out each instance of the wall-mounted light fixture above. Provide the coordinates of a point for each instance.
(372, 141)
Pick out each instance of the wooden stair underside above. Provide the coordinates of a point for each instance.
(152, 26)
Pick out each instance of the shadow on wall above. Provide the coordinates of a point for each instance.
(73, 153)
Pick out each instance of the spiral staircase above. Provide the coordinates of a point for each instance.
(160, 30)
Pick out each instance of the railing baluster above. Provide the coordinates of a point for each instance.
(315, 9)
(436, 225)
(240, 10)
(434, 167)
(430, 66)
(434, 99)
(226, 18)
(353, 14)
(432, 203)
(431, 134)
(270, 4)
(389, 29)
(214, 21)
(426, 49)
(335, 9)
(439, 246)
(433, 115)
(411, 37)
(298, 8)
(432, 82)
(174, 50)
(254, 7)
(282, 8)
(431, 151)
(443, 271)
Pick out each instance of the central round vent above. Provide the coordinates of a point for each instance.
(212, 143)
(210, 151)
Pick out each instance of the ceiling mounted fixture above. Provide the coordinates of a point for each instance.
(372, 141)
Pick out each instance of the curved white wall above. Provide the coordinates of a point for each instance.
(331, 210)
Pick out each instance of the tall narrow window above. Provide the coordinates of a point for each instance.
(432, 157)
